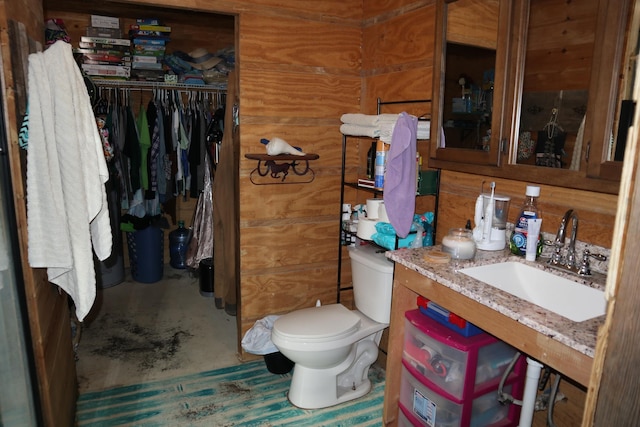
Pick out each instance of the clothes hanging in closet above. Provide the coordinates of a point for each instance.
(162, 148)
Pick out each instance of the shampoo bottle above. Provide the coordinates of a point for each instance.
(518, 240)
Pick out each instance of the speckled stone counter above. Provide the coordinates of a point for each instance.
(580, 336)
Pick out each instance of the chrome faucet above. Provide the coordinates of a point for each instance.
(569, 261)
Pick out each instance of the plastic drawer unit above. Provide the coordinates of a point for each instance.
(421, 406)
(452, 380)
(456, 366)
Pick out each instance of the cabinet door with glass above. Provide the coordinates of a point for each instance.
(554, 107)
(469, 66)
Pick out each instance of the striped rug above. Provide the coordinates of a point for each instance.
(242, 395)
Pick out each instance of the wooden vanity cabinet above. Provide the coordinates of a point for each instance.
(409, 284)
(542, 47)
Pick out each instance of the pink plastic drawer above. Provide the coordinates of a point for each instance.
(425, 407)
(457, 366)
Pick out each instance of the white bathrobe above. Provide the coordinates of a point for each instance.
(67, 208)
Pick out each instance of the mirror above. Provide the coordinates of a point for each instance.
(469, 75)
(555, 83)
(626, 104)
(464, 76)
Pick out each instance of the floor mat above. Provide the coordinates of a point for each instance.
(241, 395)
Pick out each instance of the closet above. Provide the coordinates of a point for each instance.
(189, 31)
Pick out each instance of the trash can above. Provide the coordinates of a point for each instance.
(206, 277)
(278, 363)
(257, 340)
(146, 254)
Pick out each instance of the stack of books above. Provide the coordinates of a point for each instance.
(149, 39)
(103, 53)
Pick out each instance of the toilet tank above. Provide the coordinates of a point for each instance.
(372, 275)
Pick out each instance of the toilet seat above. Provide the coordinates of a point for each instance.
(317, 324)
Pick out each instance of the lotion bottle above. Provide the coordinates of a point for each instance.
(518, 239)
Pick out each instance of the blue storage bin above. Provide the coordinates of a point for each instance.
(146, 254)
(447, 318)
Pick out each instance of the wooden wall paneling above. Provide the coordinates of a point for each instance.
(289, 244)
(346, 299)
(613, 392)
(336, 49)
(379, 10)
(596, 211)
(279, 92)
(299, 75)
(484, 16)
(397, 85)
(48, 310)
(560, 45)
(566, 412)
(402, 39)
(266, 205)
(299, 287)
(331, 10)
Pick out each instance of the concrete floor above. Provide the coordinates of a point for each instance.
(139, 332)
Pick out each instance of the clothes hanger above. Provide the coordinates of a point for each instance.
(552, 127)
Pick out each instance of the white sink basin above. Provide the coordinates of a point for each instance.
(547, 290)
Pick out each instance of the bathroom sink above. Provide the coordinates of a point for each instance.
(552, 292)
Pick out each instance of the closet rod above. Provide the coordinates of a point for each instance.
(157, 85)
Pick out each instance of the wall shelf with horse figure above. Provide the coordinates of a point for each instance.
(282, 169)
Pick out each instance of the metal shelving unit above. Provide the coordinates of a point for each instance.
(376, 192)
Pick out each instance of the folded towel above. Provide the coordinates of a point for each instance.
(424, 126)
(359, 130)
(382, 118)
(424, 129)
(360, 119)
(386, 130)
(367, 119)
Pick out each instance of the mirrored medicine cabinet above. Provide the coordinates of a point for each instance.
(535, 89)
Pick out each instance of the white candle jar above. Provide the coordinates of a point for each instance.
(459, 244)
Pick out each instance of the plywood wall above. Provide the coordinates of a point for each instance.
(48, 308)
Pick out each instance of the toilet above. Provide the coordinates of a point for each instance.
(333, 347)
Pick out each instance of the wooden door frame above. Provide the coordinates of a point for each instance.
(613, 394)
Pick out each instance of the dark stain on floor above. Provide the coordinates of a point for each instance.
(234, 388)
(230, 388)
(129, 341)
(200, 412)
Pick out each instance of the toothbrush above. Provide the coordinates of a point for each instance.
(478, 218)
(488, 215)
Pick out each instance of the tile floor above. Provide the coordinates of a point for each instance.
(139, 332)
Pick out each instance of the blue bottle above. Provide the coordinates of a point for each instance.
(178, 243)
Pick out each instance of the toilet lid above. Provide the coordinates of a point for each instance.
(318, 323)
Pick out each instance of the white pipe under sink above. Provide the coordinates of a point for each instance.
(530, 392)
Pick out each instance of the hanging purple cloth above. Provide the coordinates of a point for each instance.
(400, 175)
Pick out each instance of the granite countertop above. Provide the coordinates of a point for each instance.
(580, 336)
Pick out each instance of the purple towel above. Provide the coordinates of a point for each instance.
(400, 176)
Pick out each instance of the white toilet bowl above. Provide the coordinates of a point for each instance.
(333, 348)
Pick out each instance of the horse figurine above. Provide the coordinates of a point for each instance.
(276, 169)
